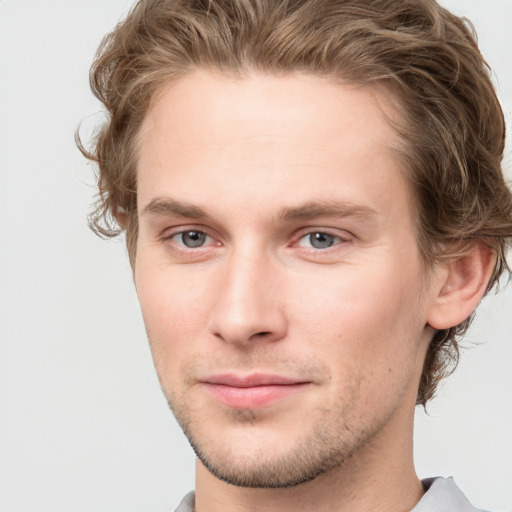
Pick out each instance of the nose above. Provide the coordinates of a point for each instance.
(249, 304)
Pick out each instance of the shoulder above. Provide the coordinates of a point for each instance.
(443, 495)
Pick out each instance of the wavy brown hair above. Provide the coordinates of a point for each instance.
(452, 131)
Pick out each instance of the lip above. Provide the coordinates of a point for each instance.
(252, 391)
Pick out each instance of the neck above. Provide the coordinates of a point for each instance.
(380, 476)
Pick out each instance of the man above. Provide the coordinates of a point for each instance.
(314, 206)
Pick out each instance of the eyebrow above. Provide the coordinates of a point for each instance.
(314, 209)
(163, 206)
(166, 206)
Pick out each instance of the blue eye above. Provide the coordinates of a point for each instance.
(191, 239)
(319, 240)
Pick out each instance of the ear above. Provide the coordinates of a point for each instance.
(121, 217)
(461, 285)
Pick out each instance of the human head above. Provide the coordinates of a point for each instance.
(451, 131)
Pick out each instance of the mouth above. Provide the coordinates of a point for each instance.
(252, 391)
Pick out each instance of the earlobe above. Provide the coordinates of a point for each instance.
(462, 285)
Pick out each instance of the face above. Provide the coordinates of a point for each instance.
(279, 277)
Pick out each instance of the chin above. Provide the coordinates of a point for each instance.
(262, 459)
(276, 472)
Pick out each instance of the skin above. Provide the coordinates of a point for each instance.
(238, 181)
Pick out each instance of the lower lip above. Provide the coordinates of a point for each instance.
(252, 397)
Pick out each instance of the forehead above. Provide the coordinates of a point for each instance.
(260, 135)
(207, 108)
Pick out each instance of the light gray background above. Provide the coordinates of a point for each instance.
(83, 424)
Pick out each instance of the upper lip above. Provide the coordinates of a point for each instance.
(251, 380)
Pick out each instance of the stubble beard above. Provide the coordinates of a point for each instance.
(330, 439)
(324, 448)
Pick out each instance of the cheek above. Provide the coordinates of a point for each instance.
(366, 298)
(171, 308)
(360, 319)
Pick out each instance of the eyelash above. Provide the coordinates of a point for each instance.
(181, 248)
(337, 239)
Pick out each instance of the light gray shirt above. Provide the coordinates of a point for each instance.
(442, 495)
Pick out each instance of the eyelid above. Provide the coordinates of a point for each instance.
(169, 233)
(342, 234)
(307, 243)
